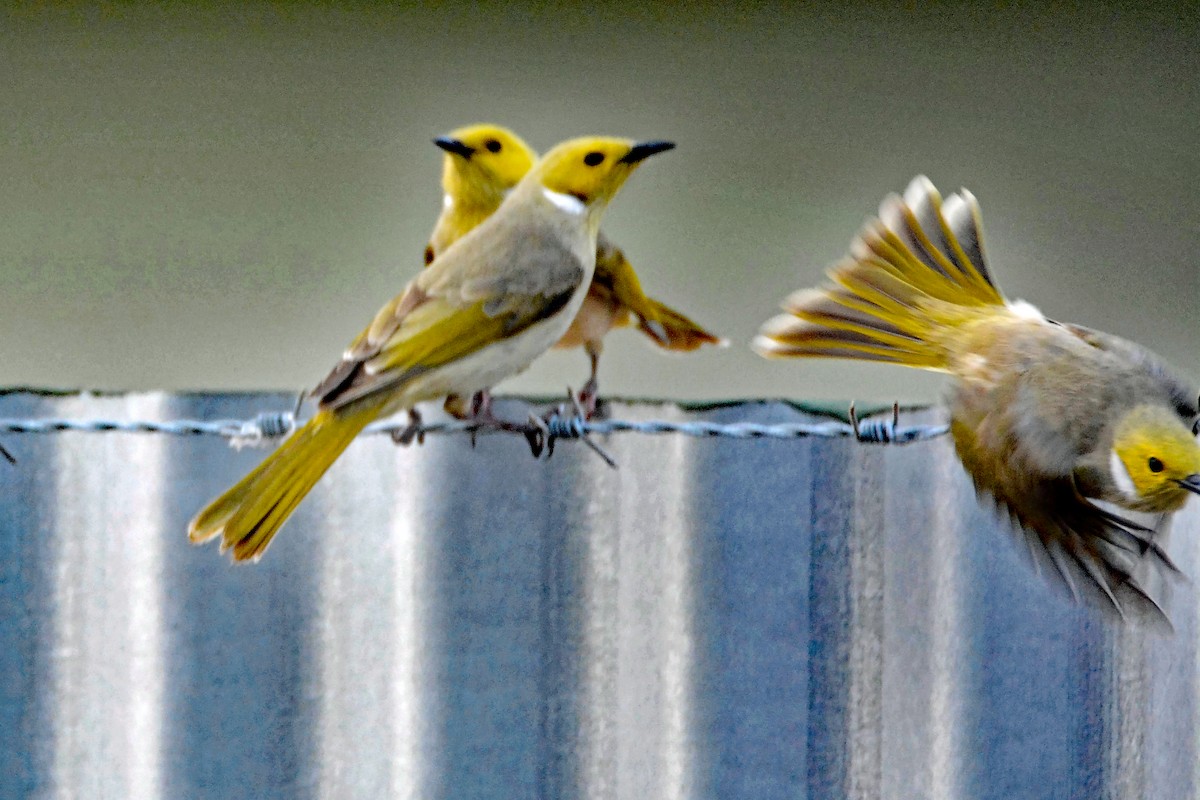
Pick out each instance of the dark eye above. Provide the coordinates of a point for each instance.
(593, 159)
(492, 146)
(1154, 464)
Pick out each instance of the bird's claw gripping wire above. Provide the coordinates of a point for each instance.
(563, 423)
(588, 398)
(541, 432)
(414, 431)
(482, 417)
(534, 432)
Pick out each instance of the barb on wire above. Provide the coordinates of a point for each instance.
(563, 423)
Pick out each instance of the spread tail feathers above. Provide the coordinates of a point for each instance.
(671, 330)
(916, 269)
(252, 511)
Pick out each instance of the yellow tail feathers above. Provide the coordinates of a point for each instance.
(252, 511)
(674, 331)
(914, 272)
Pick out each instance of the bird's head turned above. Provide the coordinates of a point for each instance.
(584, 174)
(1155, 458)
(484, 161)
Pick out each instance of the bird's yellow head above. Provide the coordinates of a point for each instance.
(588, 172)
(1155, 458)
(483, 162)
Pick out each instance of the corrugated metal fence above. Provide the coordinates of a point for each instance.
(717, 618)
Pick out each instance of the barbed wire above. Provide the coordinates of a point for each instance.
(271, 425)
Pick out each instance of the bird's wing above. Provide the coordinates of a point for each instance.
(480, 291)
(667, 327)
(509, 253)
(1182, 395)
(615, 277)
(1096, 553)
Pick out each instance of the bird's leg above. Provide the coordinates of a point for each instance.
(589, 397)
(413, 430)
(481, 409)
(481, 403)
(9, 457)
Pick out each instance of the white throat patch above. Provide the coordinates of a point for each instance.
(565, 202)
(1026, 310)
(1121, 476)
(447, 202)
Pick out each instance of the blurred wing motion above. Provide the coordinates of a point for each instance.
(916, 290)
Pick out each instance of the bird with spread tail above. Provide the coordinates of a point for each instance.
(481, 165)
(493, 302)
(1046, 417)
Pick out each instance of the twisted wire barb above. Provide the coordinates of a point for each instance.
(267, 426)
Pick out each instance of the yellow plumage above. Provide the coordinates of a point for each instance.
(1045, 416)
(250, 513)
(493, 302)
(482, 162)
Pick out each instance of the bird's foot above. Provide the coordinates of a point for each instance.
(483, 418)
(459, 407)
(412, 431)
(588, 399)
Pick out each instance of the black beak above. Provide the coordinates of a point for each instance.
(454, 146)
(643, 150)
(1191, 483)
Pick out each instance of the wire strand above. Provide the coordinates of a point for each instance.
(271, 425)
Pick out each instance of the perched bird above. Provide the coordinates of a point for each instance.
(482, 163)
(1046, 417)
(492, 303)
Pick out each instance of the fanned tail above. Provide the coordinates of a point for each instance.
(249, 514)
(912, 272)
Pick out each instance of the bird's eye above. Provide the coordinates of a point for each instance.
(593, 159)
(1196, 427)
(492, 146)
(1154, 464)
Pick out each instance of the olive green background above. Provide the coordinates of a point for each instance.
(220, 196)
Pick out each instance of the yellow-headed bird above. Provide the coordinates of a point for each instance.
(493, 302)
(482, 163)
(1045, 416)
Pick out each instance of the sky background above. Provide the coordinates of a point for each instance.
(220, 196)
